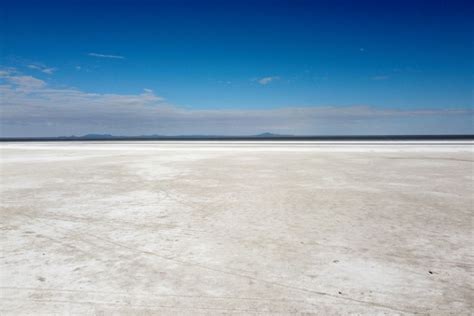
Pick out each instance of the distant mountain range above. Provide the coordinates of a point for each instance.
(262, 136)
(108, 136)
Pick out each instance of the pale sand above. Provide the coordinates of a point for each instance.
(190, 228)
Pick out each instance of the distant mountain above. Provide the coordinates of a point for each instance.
(262, 136)
(95, 136)
(109, 136)
(271, 135)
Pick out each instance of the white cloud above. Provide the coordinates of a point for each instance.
(42, 68)
(267, 80)
(25, 83)
(105, 56)
(381, 77)
(30, 106)
(49, 70)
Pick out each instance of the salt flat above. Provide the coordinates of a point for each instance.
(127, 228)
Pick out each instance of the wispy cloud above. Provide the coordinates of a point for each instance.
(105, 56)
(266, 80)
(29, 106)
(42, 68)
(381, 77)
(27, 81)
(23, 83)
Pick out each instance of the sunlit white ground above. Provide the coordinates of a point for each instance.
(126, 228)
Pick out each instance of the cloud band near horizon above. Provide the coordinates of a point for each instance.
(30, 107)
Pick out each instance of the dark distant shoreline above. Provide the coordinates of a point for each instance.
(241, 138)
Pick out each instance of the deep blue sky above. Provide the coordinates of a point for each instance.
(403, 55)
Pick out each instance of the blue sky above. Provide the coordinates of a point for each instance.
(236, 67)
